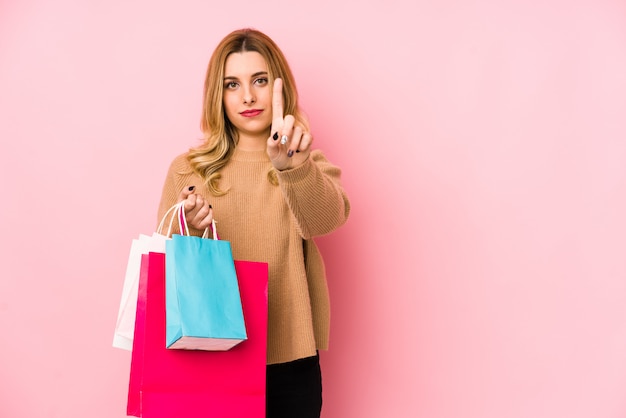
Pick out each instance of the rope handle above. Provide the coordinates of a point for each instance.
(178, 211)
(184, 228)
(162, 223)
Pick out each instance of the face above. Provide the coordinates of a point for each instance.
(248, 95)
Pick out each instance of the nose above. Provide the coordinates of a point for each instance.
(248, 97)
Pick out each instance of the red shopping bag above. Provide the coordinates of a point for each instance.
(188, 383)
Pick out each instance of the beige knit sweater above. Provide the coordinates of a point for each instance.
(276, 225)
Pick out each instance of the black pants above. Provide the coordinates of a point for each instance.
(294, 389)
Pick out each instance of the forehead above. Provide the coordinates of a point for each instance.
(240, 64)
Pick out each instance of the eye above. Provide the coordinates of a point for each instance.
(261, 81)
(230, 85)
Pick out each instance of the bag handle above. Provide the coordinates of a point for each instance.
(184, 228)
(162, 223)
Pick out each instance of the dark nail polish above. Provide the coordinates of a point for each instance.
(290, 153)
(210, 207)
(275, 136)
(297, 150)
(191, 188)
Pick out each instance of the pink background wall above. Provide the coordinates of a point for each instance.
(482, 274)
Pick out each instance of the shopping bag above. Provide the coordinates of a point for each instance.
(133, 406)
(196, 383)
(125, 325)
(203, 303)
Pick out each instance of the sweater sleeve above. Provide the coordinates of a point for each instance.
(169, 196)
(315, 196)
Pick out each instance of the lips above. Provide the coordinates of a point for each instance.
(251, 113)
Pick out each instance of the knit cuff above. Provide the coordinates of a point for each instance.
(297, 174)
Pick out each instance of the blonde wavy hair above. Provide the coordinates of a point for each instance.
(220, 136)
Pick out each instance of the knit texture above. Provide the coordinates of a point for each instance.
(276, 225)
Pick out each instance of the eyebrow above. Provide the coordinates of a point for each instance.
(258, 73)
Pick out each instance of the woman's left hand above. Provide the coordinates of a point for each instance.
(288, 145)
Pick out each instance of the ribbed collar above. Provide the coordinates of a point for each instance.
(253, 156)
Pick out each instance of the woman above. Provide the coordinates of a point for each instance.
(256, 174)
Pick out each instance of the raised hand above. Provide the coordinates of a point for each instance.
(288, 145)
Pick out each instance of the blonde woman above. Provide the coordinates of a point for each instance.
(272, 193)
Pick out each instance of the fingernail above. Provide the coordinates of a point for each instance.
(297, 150)
(290, 153)
(283, 140)
(210, 207)
(275, 136)
(191, 188)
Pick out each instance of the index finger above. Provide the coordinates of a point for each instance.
(277, 99)
(184, 194)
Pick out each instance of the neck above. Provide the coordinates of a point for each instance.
(252, 142)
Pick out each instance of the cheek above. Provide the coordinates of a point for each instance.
(267, 96)
(229, 104)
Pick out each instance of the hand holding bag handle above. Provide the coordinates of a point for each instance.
(184, 228)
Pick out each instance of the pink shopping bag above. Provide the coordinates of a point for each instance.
(168, 383)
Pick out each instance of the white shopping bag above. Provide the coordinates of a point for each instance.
(125, 326)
